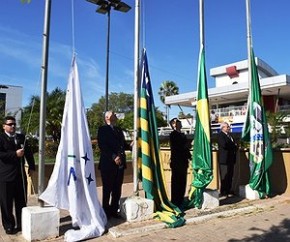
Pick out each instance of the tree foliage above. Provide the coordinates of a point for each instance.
(167, 88)
(276, 121)
(55, 106)
(118, 102)
(128, 122)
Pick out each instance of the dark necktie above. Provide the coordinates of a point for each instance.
(12, 139)
(114, 130)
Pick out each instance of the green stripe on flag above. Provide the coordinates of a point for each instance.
(151, 168)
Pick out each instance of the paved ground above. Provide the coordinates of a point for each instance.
(234, 220)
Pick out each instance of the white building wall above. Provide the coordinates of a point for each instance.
(223, 79)
(13, 101)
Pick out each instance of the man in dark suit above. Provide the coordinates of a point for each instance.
(13, 180)
(180, 155)
(227, 158)
(112, 144)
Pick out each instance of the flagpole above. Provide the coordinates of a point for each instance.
(249, 41)
(136, 95)
(42, 116)
(201, 23)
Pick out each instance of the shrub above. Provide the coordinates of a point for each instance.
(32, 142)
(51, 149)
(96, 149)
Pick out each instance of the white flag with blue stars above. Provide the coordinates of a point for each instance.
(72, 185)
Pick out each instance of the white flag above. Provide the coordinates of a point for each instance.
(72, 185)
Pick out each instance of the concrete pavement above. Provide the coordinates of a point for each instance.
(235, 219)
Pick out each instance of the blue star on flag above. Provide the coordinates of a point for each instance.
(89, 178)
(86, 158)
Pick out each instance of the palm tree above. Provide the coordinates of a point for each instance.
(54, 112)
(55, 107)
(167, 88)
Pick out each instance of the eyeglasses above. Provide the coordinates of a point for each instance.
(11, 124)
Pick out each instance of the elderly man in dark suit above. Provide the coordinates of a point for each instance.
(227, 158)
(13, 180)
(112, 144)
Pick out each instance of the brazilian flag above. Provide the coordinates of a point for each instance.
(149, 160)
(256, 132)
(202, 154)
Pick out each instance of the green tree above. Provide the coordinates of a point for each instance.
(128, 122)
(118, 102)
(54, 112)
(167, 88)
(55, 107)
(30, 116)
(161, 122)
(95, 117)
(276, 120)
(121, 102)
(2, 108)
(182, 115)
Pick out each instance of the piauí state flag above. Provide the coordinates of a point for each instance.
(202, 153)
(256, 132)
(151, 167)
(72, 185)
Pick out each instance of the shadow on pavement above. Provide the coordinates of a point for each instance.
(280, 232)
(230, 200)
(66, 224)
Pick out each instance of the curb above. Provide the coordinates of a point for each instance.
(117, 232)
(224, 214)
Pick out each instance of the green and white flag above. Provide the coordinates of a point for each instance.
(149, 160)
(256, 132)
(202, 153)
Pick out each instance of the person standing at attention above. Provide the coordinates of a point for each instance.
(180, 154)
(227, 158)
(111, 142)
(13, 180)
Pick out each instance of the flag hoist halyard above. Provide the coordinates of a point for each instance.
(256, 132)
(202, 154)
(72, 185)
(151, 168)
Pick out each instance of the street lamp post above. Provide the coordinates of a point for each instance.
(104, 7)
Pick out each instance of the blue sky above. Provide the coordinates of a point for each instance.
(170, 33)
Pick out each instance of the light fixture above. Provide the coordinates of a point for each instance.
(104, 7)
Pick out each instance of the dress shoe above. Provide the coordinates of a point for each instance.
(10, 231)
(231, 194)
(223, 195)
(108, 215)
(18, 229)
(116, 215)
